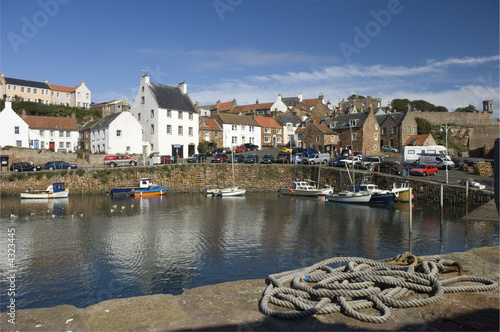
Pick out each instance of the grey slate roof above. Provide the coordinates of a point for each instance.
(33, 84)
(89, 125)
(397, 116)
(238, 119)
(343, 120)
(289, 119)
(104, 122)
(169, 97)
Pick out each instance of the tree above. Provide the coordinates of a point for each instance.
(441, 109)
(353, 96)
(399, 105)
(423, 126)
(469, 108)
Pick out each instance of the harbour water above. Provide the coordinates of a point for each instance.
(87, 249)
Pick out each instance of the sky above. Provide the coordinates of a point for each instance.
(445, 52)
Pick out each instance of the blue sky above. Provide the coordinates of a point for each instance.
(445, 52)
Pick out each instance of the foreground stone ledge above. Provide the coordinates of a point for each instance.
(233, 306)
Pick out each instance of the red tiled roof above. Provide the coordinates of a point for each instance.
(50, 122)
(225, 106)
(263, 106)
(242, 109)
(420, 139)
(267, 122)
(311, 102)
(62, 88)
(209, 124)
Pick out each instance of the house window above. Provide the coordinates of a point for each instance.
(19, 144)
(57, 94)
(143, 88)
(251, 129)
(384, 130)
(14, 88)
(278, 131)
(42, 133)
(67, 133)
(118, 133)
(67, 145)
(191, 116)
(51, 133)
(16, 130)
(278, 140)
(234, 127)
(169, 129)
(28, 90)
(152, 129)
(353, 136)
(35, 91)
(242, 127)
(142, 100)
(317, 139)
(391, 142)
(139, 117)
(169, 113)
(393, 130)
(61, 133)
(190, 131)
(375, 137)
(179, 130)
(267, 139)
(87, 97)
(234, 140)
(22, 89)
(152, 114)
(61, 145)
(376, 126)
(267, 130)
(180, 115)
(8, 87)
(216, 134)
(352, 123)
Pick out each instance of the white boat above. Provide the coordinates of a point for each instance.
(228, 191)
(55, 190)
(378, 195)
(300, 188)
(350, 197)
(326, 189)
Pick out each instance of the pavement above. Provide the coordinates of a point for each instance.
(234, 306)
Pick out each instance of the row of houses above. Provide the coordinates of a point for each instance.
(43, 92)
(162, 119)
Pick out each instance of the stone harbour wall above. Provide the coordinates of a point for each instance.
(196, 177)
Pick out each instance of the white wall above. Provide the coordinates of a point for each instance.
(242, 135)
(46, 136)
(9, 120)
(130, 139)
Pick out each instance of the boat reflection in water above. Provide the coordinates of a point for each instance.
(96, 248)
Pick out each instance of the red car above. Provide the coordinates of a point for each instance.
(240, 148)
(220, 158)
(424, 169)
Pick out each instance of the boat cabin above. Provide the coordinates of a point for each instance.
(56, 187)
(145, 183)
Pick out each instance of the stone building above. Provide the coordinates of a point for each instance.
(318, 136)
(396, 128)
(271, 131)
(211, 131)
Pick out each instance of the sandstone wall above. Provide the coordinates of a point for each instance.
(458, 118)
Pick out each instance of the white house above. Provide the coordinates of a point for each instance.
(117, 133)
(53, 133)
(14, 131)
(279, 105)
(168, 117)
(290, 124)
(239, 129)
(78, 96)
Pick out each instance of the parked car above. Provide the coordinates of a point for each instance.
(59, 165)
(297, 150)
(316, 158)
(308, 152)
(220, 158)
(368, 162)
(283, 158)
(388, 148)
(240, 148)
(197, 158)
(286, 150)
(119, 160)
(252, 159)
(238, 158)
(213, 152)
(251, 146)
(349, 161)
(335, 161)
(424, 169)
(267, 159)
(24, 167)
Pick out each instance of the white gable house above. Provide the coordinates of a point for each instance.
(116, 134)
(15, 131)
(239, 129)
(168, 117)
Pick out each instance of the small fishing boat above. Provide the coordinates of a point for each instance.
(326, 189)
(402, 191)
(300, 188)
(378, 195)
(145, 188)
(348, 196)
(223, 192)
(55, 190)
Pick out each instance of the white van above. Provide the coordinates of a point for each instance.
(320, 158)
(413, 153)
(437, 160)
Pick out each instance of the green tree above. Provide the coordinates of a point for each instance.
(469, 108)
(399, 105)
(423, 126)
(441, 109)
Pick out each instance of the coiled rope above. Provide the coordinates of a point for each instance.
(361, 284)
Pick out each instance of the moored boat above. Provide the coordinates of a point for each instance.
(350, 197)
(325, 189)
(55, 190)
(154, 190)
(145, 188)
(229, 191)
(300, 188)
(402, 191)
(378, 195)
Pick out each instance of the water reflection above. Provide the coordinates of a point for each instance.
(87, 249)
